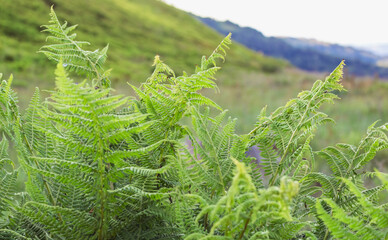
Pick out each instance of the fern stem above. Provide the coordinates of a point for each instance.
(245, 226)
(205, 219)
(326, 234)
(255, 129)
(102, 182)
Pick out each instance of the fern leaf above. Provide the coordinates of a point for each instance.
(65, 48)
(289, 126)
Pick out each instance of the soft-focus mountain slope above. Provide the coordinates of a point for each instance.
(378, 49)
(335, 50)
(136, 31)
(310, 57)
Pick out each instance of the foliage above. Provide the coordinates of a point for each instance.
(105, 166)
(345, 224)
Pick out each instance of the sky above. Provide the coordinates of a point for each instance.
(347, 22)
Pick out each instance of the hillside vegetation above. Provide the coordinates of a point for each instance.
(136, 31)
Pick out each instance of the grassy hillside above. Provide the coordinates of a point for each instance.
(136, 31)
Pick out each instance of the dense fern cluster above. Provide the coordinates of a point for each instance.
(105, 166)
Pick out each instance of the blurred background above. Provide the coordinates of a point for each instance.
(280, 48)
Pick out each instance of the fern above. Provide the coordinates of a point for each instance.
(82, 155)
(245, 212)
(343, 224)
(64, 47)
(102, 147)
(284, 136)
(105, 166)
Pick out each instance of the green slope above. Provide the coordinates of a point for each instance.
(136, 31)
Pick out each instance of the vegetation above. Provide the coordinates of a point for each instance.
(364, 102)
(136, 30)
(105, 166)
(247, 83)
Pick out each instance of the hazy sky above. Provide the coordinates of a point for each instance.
(354, 22)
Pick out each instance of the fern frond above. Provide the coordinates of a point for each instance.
(282, 135)
(9, 199)
(218, 53)
(71, 52)
(244, 211)
(345, 159)
(46, 216)
(90, 159)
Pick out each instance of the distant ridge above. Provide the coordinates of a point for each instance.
(303, 53)
(335, 50)
(378, 49)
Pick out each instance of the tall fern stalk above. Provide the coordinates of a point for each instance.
(105, 166)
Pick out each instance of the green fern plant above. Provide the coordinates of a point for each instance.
(106, 166)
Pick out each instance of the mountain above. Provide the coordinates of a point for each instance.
(335, 50)
(377, 49)
(304, 54)
(136, 31)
